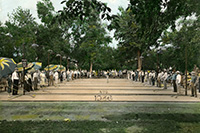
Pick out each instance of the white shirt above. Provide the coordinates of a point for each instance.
(56, 75)
(35, 75)
(153, 74)
(15, 76)
(178, 79)
(164, 77)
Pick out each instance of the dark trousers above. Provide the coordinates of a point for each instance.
(15, 87)
(142, 79)
(193, 90)
(133, 77)
(136, 77)
(174, 85)
(30, 84)
(199, 85)
(35, 83)
(153, 81)
(26, 86)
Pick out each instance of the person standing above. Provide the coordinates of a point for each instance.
(29, 81)
(9, 84)
(193, 87)
(153, 76)
(150, 75)
(133, 76)
(42, 76)
(164, 77)
(56, 75)
(136, 76)
(143, 75)
(64, 76)
(26, 86)
(197, 83)
(174, 81)
(160, 74)
(51, 82)
(15, 80)
(35, 80)
(107, 76)
(61, 77)
(178, 82)
(68, 74)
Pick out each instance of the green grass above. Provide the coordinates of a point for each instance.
(143, 126)
(23, 117)
(100, 117)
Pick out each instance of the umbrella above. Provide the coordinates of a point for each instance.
(7, 66)
(60, 68)
(51, 67)
(37, 66)
(28, 67)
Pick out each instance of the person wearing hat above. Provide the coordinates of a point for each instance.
(15, 80)
(178, 82)
(192, 83)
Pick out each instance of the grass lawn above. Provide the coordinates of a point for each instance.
(100, 117)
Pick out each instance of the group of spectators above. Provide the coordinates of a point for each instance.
(166, 77)
(163, 78)
(34, 80)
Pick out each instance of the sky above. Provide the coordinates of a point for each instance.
(7, 6)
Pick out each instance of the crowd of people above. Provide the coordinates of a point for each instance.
(169, 77)
(163, 78)
(34, 80)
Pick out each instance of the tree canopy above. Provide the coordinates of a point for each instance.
(146, 31)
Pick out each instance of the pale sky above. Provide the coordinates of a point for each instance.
(7, 6)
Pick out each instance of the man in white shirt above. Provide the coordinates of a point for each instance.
(64, 76)
(15, 80)
(178, 82)
(56, 77)
(160, 74)
(164, 78)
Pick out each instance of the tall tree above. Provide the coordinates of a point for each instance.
(21, 28)
(88, 34)
(51, 35)
(152, 17)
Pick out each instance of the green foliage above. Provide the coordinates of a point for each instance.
(88, 34)
(45, 11)
(82, 9)
(20, 30)
(185, 43)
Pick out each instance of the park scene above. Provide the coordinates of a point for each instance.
(86, 66)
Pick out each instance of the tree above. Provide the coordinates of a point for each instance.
(21, 28)
(51, 35)
(127, 32)
(151, 18)
(88, 34)
(184, 45)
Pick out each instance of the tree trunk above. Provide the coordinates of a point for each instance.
(91, 66)
(139, 60)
